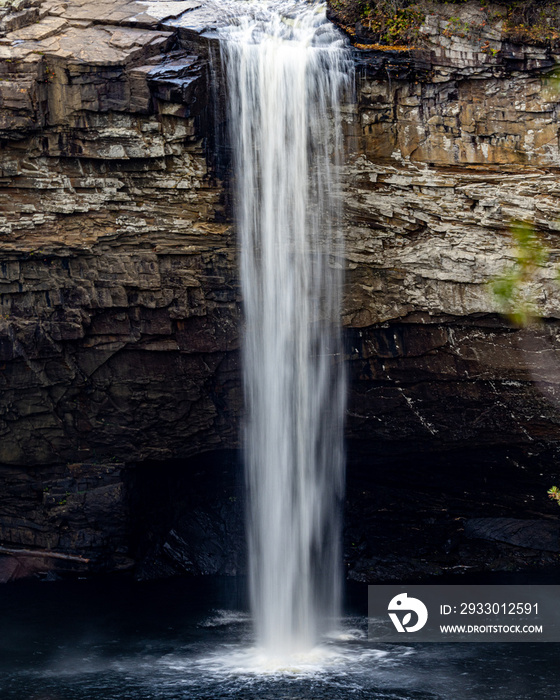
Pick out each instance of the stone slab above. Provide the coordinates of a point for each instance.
(543, 535)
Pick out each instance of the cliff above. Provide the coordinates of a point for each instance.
(120, 304)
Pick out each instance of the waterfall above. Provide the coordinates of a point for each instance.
(287, 69)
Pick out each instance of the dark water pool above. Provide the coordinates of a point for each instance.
(180, 639)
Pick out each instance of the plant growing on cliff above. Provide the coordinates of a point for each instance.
(393, 24)
(457, 27)
(386, 22)
(554, 494)
(532, 21)
(398, 21)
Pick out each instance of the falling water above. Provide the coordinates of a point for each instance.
(287, 69)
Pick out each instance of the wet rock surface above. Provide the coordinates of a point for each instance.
(408, 516)
(415, 515)
(63, 520)
(119, 294)
(531, 534)
(188, 518)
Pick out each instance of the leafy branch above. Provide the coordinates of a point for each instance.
(512, 289)
(554, 494)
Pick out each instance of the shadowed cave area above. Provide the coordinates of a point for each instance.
(408, 516)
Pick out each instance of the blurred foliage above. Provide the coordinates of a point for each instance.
(551, 85)
(512, 289)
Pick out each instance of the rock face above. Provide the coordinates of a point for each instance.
(453, 145)
(68, 519)
(120, 306)
(416, 515)
(118, 284)
(532, 534)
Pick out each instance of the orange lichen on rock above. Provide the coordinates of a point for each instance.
(382, 47)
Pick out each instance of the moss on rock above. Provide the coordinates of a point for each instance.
(399, 22)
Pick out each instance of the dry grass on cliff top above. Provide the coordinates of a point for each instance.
(396, 23)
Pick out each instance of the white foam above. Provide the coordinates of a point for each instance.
(223, 618)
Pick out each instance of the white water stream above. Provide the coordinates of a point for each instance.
(287, 70)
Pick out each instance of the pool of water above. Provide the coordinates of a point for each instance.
(182, 639)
